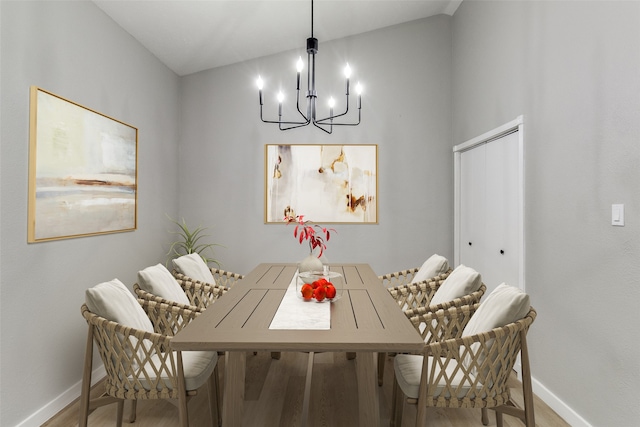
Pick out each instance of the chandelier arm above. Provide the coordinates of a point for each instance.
(320, 126)
(280, 122)
(298, 107)
(331, 117)
(286, 123)
(322, 122)
(298, 125)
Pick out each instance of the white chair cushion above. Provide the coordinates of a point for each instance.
(193, 266)
(408, 371)
(159, 281)
(198, 366)
(505, 304)
(113, 301)
(462, 281)
(433, 266)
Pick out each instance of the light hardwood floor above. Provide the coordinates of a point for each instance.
(274, 394)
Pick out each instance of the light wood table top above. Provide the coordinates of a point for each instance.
(365, 320)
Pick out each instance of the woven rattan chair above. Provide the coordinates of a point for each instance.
(405, 277)
(470, 299)
(224, 279)
(139, 365)
(414, 295)
(192, 268)
(416, 298)
(464, 372)
(200, 295)
(435, 266)
(156, 283)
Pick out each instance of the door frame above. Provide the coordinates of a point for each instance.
(516, 125)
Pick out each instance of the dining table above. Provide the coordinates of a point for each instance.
(365, 320)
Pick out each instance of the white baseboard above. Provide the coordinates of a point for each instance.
(559, 407)
(43, 414)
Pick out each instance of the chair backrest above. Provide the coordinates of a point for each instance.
(433, 266)
(201, 294)
(136, 361)
(474, 368)
(193, 266)
(157, 280)
(142, 294)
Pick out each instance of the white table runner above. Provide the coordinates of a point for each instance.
(295, 313)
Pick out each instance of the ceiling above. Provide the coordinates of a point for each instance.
(194, 35)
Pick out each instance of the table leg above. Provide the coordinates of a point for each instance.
(369, 407)
(233, 399)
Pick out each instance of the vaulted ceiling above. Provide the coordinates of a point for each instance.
(190, 36)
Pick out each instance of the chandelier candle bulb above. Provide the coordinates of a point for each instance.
(347, 74)
(299, 67)
(260, 84)
(347, 71)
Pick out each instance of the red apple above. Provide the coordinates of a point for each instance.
(320, 293)
(307, 291)
(330, 290)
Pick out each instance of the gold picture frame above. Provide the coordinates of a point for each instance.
(328, 183)
(83, 170)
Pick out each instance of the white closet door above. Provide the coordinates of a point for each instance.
(489, 210)
(472, 206)
(502, 251)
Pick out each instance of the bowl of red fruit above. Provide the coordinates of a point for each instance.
(318, 286)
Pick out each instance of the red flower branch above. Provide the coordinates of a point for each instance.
(315, 234)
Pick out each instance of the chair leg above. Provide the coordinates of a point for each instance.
(381, 359)
(132, 414)
(527, 390)
(86, 380)
(182, 394)
(120, 413)
(218, 394)
(485, 417)
(214, 401)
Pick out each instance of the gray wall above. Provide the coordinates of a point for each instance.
(573, 70)
(406, 71)
(76, 51)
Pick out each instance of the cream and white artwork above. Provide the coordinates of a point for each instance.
(82, 171)
(325, 183)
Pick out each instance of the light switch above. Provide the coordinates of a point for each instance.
(617, 215)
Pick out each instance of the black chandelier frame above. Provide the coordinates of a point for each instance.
(309, 117)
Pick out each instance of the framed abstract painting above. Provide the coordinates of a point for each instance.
(82, 171)
(325, 183)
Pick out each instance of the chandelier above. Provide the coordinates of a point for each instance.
(309, 116)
